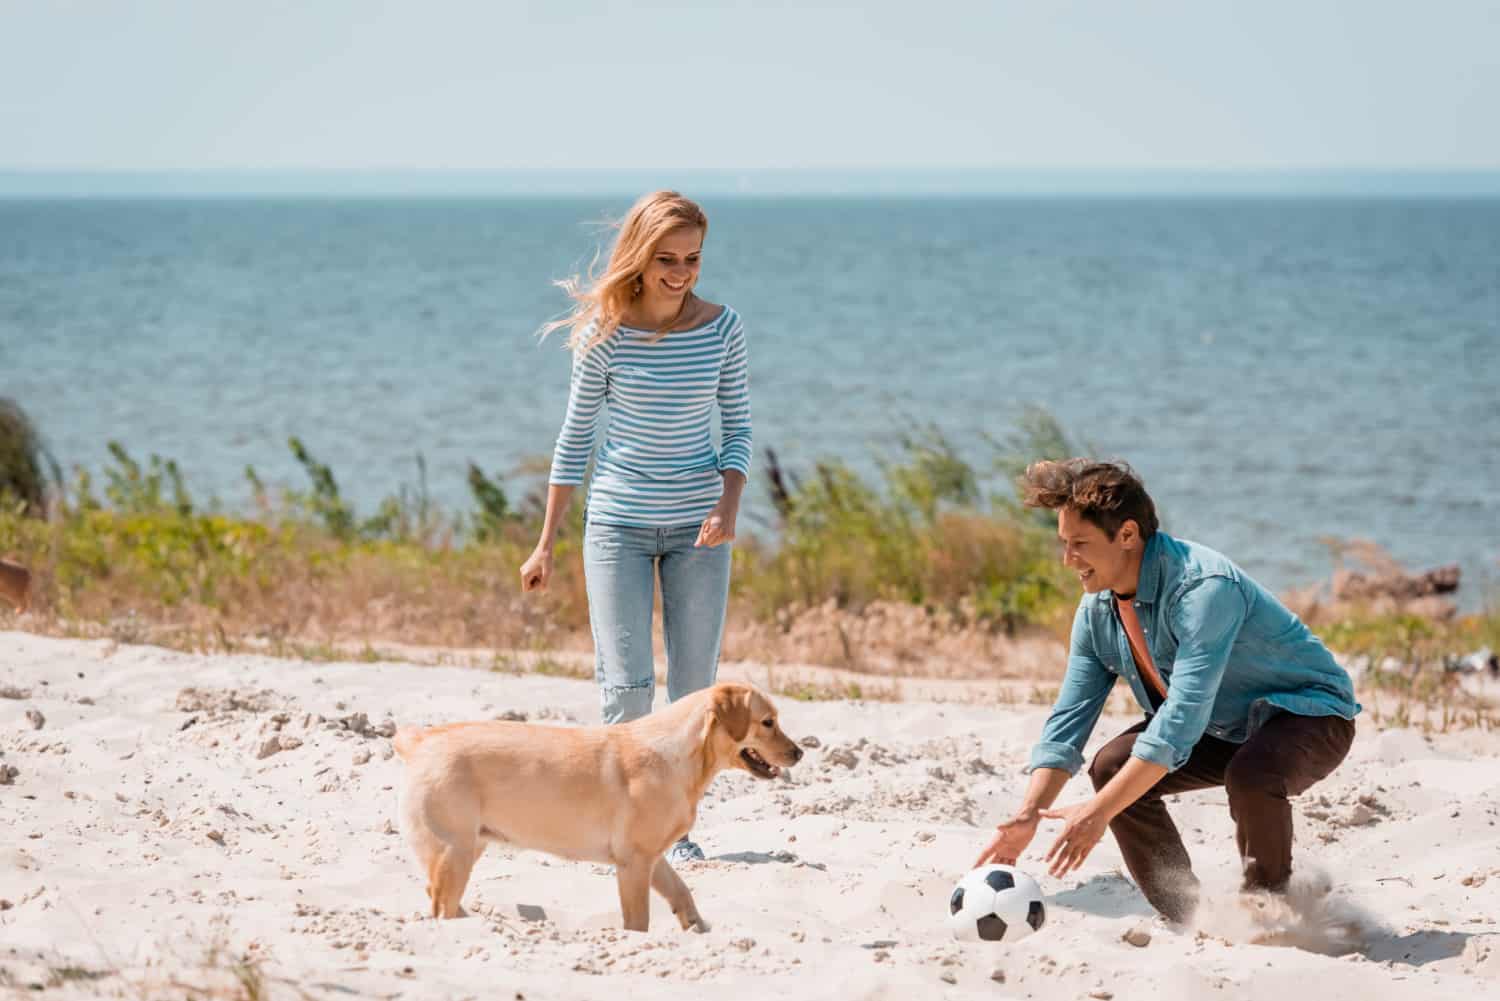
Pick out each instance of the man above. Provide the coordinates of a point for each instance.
(1237, 692)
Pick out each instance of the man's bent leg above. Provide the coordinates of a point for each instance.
(1149, 842)
(1284, 757)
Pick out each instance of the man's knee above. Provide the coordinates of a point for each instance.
(1248, 778)
(1108, 762)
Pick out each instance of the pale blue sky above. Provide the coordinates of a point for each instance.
(444, 84)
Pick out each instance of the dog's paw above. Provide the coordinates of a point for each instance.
(699, 926)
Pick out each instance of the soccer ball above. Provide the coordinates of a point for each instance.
(995, 903)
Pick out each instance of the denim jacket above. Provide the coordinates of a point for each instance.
(1232, 656)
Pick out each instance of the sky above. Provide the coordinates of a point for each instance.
(449, 85)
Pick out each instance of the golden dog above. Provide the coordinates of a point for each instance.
(618, 794)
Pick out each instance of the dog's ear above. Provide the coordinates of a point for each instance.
(732, 710)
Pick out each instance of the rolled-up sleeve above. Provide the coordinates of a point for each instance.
(1085, 688)
(734, 402)
(1206, 621)
(575, 443)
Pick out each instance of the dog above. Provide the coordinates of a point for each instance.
(619, 794)
(15, 585)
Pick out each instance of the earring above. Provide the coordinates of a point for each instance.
(638, 287)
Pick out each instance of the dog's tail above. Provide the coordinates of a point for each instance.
(407, 739)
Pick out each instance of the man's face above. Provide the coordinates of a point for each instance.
(1101, 563)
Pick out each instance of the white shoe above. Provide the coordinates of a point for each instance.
(685, 851)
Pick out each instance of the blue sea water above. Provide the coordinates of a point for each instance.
(1280, 370)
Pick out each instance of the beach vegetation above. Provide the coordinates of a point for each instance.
(131, 551)
(133, 554)
(27, 473)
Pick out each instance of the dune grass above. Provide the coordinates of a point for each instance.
(135, 554)
(27, 474)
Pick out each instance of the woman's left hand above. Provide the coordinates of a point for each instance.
(1084, 826)
(718, 527)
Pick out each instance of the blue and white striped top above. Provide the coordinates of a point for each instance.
(658, 467)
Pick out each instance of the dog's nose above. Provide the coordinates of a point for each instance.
(797, 753)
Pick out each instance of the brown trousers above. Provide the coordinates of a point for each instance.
(1284, 757)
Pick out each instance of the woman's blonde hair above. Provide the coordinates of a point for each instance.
(599, 302)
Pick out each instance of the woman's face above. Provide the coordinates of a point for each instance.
(672, 270)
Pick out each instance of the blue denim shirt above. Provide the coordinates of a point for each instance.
(1231, 653)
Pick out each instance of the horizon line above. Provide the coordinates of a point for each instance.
(48, 182)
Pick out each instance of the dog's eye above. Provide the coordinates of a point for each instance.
(768, 722)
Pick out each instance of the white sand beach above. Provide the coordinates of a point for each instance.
(225, 824)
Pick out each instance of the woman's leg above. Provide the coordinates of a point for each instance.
(619, 574)
(694, 595)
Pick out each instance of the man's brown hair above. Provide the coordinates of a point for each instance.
(1107, 494)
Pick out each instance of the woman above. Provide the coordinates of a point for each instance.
(662, 499)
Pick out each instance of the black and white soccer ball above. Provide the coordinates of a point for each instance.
(995, 903)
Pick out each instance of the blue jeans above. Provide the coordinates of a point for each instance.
(620, 565)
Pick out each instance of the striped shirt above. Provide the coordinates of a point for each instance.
(658, 467)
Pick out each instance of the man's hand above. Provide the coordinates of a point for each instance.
(1010, 840)
(1084, 825)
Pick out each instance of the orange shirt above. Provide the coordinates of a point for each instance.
(1136, 636)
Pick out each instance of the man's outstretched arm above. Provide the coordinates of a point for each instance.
(1058, 754)
(1086, 822)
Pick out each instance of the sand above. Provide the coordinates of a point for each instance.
(226, 824)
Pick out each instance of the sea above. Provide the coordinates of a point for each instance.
(1284, 371)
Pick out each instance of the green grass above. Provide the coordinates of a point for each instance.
(554, 667)
(810, 691)
(1421, 646)
(25, 483)
(135, 555)
(1405, 681)
(923, 534)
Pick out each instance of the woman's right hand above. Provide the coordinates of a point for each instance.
(536, 572)
(1010, 839)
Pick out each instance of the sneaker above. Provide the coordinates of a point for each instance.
(685, 851)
